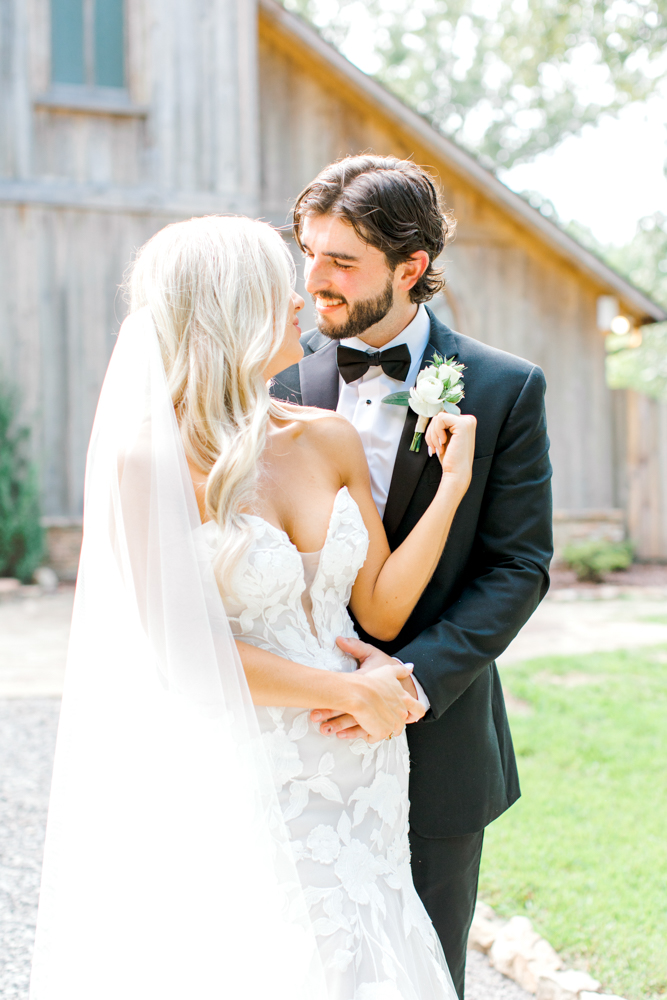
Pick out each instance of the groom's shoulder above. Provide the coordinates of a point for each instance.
(287, 385)
(478, 353)
(313, 341)
(494, 365)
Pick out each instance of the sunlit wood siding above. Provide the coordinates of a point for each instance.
(87, 174)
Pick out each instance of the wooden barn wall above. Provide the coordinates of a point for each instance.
(645, 470)
(193, 63)
(90, 149)
(504, 287)
(61, 312)
(95, 185)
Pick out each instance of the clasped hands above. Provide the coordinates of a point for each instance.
(384, 697)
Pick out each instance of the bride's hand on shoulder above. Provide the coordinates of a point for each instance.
(452, 439)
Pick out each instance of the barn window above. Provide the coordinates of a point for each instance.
(87, 42)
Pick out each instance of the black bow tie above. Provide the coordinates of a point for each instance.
(395, 362)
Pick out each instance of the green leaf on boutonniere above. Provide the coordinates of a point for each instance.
(451, 408)
(398, 398)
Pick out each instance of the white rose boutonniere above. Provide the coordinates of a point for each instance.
(439, 387)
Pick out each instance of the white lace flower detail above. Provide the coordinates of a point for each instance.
(384, 796)
(298, 850)
(324, 844)
(358, 868)
(283, 756)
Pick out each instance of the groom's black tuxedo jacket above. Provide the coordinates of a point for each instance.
(491, 577)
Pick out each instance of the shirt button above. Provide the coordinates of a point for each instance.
(368, 402)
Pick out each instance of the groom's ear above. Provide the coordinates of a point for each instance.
(408, 272)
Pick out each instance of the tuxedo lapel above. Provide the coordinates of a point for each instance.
(319, 378)
(318, 374)
(409, 465)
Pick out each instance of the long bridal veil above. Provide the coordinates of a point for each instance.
(167, 870)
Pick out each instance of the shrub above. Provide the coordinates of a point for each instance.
(21, 534)
(592, 560)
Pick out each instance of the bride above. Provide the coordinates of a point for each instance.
(204, 838)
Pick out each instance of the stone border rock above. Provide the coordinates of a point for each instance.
(516, 950)
(46, 582)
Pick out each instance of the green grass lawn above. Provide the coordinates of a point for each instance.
(584, 852)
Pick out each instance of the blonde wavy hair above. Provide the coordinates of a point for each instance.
(218, 289)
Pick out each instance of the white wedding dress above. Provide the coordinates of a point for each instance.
(345, 803)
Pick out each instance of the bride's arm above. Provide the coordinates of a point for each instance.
(376, 700)
(390, 584)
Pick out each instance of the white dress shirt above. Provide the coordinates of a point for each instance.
(380, 425)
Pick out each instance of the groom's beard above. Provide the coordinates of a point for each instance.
(360, 316)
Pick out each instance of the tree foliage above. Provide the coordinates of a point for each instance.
(592, 560)
(507, 79)
(642, 368)
(21, 534)
(643, 261)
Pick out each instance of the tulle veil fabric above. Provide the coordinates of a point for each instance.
(167, 869)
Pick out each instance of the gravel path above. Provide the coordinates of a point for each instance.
(33, 644)
(27, 739)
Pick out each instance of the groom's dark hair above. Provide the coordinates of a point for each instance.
(391, 204)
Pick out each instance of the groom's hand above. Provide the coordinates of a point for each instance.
(369, 658)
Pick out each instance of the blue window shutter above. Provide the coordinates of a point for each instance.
(67, 62)
(109, 43)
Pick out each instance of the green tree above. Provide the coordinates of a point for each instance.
(507, 79)
(644, 259)
(642, 368)
(21, 534)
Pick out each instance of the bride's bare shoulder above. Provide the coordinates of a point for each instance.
(329, 433)
(298, 412)
(332, 434)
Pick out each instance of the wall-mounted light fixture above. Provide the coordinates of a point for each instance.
(609, 317)
(620, 325)
(606, 312)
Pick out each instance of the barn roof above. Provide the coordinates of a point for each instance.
(459, 161)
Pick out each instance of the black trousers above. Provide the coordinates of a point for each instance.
(446, 873)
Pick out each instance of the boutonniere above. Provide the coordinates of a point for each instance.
(439, 387)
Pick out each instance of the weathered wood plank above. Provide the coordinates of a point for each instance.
(647, 475)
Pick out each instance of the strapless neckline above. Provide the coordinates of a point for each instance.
(210, 527)
(264, 593)
(283, 533)
(311, 564)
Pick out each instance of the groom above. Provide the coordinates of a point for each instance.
(371, 229)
